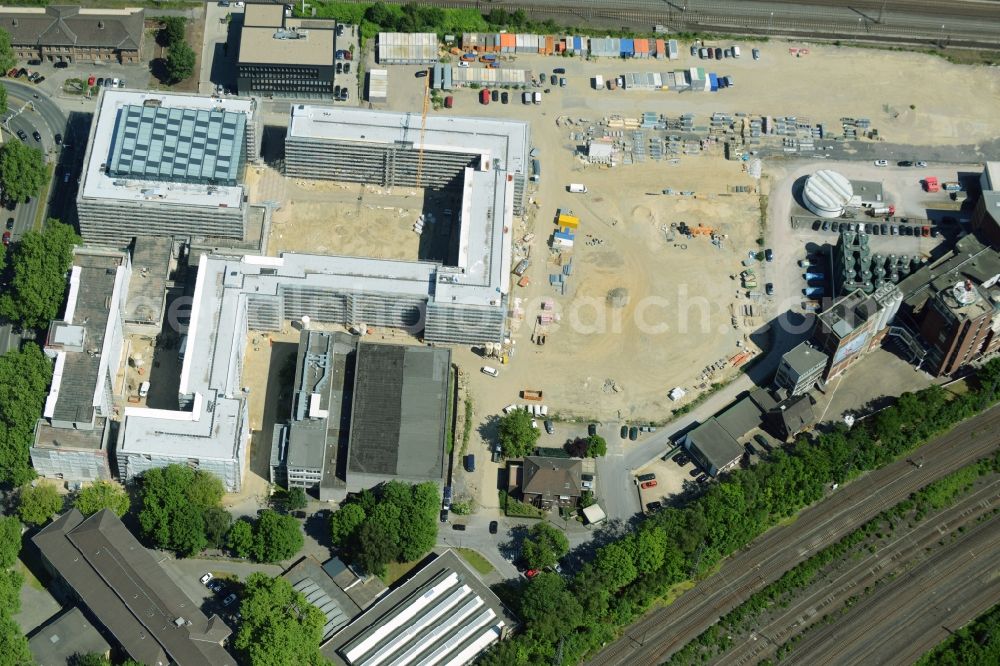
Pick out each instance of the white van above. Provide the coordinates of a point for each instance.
(492, 372)
(736, 52)
(578, 188)
(143, 389)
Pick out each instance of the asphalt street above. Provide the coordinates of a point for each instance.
(664, 630)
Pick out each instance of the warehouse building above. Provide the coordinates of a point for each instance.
(443, 614)
(713, 447)
(166, 164)
(86, 345)
(407, 48)
(96, 561)
(68, 33)
(285, 57)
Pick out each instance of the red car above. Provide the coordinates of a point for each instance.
(484, 96)
(531, 573)
(925, 231)
(91, 81)
(648, 484)
(6, 238)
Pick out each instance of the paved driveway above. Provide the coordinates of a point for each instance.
(186, 573)
(218, 62)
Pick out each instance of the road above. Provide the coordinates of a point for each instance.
(664, 630)
(971, 23)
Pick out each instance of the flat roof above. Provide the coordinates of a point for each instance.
(122, 584)
(147, 289)
(804, 358)
(307, 437)
(175, 144)
(289, 45)
(849, 313)
(398, 416)
(259, 14)
(80, 341)
(320, 589)
(444, 613)
(501, 146)
(70, 439)
(99, 183)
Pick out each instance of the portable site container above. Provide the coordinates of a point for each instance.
(713, 81)
(626, 47)
(550, 45)
(659, 49)
(470, 41)
(508, 42)
(569, 221)
(673, 49)
(640, 48)
(519, 43)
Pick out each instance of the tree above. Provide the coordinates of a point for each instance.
(36, 504)
(172, 32)
(13, 644)
(240, 538)
(217, 523)
(10, 540)
(596, 446)
(3, 99)
(24, 379)
(174, 500)
(418, 524)
(516, 434)
(275, 537)
(296, 499)
(544, 546)
(549, 608)
(39, 262)
(279, 626)
(344, 525)
(376, 546)
(102, 495)
(180, 62)
(614, 562)
(22, 170)
(7, 59)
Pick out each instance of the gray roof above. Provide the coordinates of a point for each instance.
(443, 613)
(73, 26)
(398, 417)
(180, 145)
(151, 259)
(740, 418)
(804, 358)
(847, 314)
(294, 46)
(971, 260)
(715, 443)
(127, 591)
(310, 578)
(308, 428)
(68, 634)
(80, 335)
(796, 413)
(551, 477)
(362, 591)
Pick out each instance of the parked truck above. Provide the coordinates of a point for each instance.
(878, 211)
(931, 184)
(577, 188)
(598, 82)
(952, 186)
(810, 277)
(538, 98)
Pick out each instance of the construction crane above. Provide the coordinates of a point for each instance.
(423, 129)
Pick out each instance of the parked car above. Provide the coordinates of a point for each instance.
(494, 527)
(624, 433)
(495, 95)
(881, 163)
(718, 53)
(228, 601)
(921, 165)
(549, 427)
(421, 73)
(6, 238)
(531, 573)
(702, 479)
(633, 433)
(760, 439)
(654, 506)
(58, 139)
(591, 429)
(340, 67)
(559, 70)
(769, 289)
(458, 527)
(10, 224)
(769, 254)
(21, 135)
(504, 97)
(681, 460)
(347, 68)
(904, 163)
(648, 484)
(444, 515)
(553, 80)
(39, 79)
(756, 54)
(206, 578)
(645, 477)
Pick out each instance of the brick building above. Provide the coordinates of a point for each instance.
(61, 33)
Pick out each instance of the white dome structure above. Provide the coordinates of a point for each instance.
(827, 193)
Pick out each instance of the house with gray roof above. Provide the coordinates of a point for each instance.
(713, 447)
(65, 635)
(68, 33)
(96, 562)
(546, 482)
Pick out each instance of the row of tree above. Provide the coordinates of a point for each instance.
(396, 523)
(24, 383)
(38, 263)
(180, 56)
(977, 644)
(13, 644)
(574, 617)
(271, 538)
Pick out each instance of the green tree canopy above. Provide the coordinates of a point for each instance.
(279, 626)
(102, 495)
(22, 170)
(544, 546)
(296, 499)
(240, 538)
(174, 500)
(596, 446)
(276, 537)
(13, 644)
(24, 382)
(550, 609)
(217, 523)
(37, 504)
(7, 59)
(180, 62)
(39, 262)
(3, 99)
(344, 525)
(173, 30)
(10, 540)
(516, 434)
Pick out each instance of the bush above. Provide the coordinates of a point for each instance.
(518, 509)
(37, 504)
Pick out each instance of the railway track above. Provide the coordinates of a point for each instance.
(663, 630)
(958, 568)
(900, 553)
(960, 23)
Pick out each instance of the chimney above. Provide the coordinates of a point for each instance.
(100, 25)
